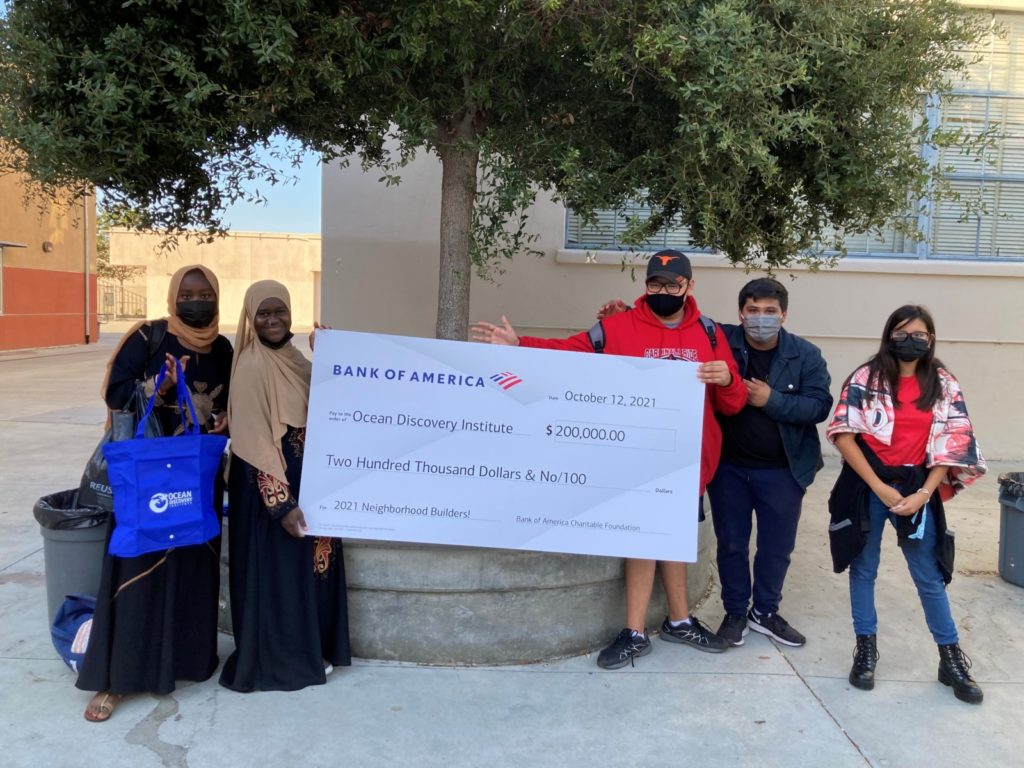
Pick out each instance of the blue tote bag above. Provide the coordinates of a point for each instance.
(163, 486)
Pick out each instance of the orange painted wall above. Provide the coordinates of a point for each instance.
(43, 285)
(45, 308)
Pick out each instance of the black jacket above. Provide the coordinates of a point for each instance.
(800, 397)
(848, 513)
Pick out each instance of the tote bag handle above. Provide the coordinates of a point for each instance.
(184, 399)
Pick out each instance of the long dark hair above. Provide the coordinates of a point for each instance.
(885, 366)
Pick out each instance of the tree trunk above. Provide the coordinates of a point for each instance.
(458, 191)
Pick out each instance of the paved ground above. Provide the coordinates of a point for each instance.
(759, 705)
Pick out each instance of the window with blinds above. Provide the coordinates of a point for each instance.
(607, 232)
(991, 97)
(986, 223)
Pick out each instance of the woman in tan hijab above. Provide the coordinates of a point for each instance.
(156, 615)
(288, 603)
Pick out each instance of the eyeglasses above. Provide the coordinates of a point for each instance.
(672, 289)
(916, 335)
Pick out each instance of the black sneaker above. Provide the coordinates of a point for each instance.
(694, 634)
(776, 627)
(626, 646)
(734, 628)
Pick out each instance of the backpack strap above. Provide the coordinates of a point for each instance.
(596, 335)
(157, 331)
(711, 329)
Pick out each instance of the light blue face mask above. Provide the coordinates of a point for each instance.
(762, 328)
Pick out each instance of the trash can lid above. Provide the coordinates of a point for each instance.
(1012, 484)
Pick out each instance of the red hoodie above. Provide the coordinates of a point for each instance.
(640, 333)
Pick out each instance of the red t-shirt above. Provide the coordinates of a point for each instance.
(910, 429)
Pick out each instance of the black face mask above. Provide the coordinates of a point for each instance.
(909, 349)
(197, 314)
(664, 305)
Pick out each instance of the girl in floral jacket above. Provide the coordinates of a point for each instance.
(902, 428)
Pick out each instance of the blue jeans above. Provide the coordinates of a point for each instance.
(738, 493)
(924, 569)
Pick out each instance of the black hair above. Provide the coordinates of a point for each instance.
(765, 288)
(885, 366)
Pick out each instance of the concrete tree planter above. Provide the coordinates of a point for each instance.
(463, 605)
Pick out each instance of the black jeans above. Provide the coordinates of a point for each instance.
(737, 493)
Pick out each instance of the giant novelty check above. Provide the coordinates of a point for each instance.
(442, 442)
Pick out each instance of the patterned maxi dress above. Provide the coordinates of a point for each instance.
(288, 603)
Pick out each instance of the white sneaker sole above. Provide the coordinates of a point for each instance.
(765, 631)
(744, 633)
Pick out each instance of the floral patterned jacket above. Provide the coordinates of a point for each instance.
(951, 443)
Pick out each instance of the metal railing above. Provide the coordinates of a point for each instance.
(116, 301)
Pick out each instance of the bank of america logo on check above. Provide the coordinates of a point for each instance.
(506, 380)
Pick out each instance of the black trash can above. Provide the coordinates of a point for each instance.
(1011, 527)
(74, 539)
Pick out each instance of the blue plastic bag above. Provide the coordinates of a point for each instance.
(163, 486)
(71, 627)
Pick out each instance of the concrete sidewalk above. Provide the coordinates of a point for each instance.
(759, 705)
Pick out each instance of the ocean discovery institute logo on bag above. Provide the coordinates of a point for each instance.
(161, 502)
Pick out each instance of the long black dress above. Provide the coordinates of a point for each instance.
(156, 615)
(288, 604)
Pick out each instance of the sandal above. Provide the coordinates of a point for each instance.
(101, 707)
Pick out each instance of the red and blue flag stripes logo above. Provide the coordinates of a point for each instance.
(506, 380)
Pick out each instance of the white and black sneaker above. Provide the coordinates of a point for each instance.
(776, 627)
(694, 634)
(734, 628)
(627, 645)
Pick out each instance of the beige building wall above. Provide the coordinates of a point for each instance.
(994, 5)
(238, 259)
(380, 260)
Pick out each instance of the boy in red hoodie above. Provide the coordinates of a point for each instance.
(665, 323)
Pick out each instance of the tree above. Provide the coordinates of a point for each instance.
(761, 123)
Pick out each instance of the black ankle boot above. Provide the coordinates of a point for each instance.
(954, 669)
(862, 675)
